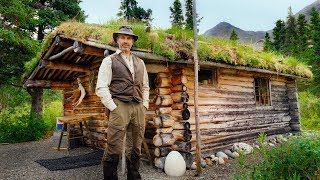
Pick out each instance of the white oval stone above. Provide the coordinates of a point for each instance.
(174, 164)
(222, 154)
(221, 160)
(229, 153)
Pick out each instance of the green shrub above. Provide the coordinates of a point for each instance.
(50, 112)
(17, 125)
(297, 159)
(310, 111)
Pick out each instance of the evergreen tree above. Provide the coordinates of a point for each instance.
(315, 34)
(189, 17)
(20, 21)
(267, 45)
(234, 36)
(290, 42)
(302, 34)
(176, 14)
(279, 35)
(130, 11)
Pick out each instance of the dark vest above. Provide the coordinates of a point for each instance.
(122, 85)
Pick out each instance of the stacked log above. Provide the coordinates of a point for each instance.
(163, 137)
(182, 77)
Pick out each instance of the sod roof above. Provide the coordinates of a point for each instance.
(176, 44)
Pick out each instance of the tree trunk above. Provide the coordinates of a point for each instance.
(37, 99)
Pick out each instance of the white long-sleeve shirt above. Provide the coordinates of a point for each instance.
(104, 80)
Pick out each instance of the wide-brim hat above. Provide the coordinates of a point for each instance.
(127, 30)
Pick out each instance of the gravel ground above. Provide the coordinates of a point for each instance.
(17, 161)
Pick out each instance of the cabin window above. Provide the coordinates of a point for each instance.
(152, 77)
(208, 77)
(262, 91)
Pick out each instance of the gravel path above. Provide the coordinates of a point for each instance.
(17, 161)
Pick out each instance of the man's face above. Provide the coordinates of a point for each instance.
(125, 42)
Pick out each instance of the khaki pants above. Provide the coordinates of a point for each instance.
(127, 117)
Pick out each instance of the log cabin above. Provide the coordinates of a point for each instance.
(237, 99)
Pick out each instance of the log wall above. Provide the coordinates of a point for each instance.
(227, 109)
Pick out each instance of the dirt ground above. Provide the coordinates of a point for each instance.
(17, 161)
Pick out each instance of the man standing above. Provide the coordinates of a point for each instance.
(123, 88)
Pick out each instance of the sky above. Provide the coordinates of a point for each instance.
(254, 15)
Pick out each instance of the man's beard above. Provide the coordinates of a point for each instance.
(125, 49)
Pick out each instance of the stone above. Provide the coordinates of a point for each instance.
(212, 156)
(273, 141)
(216, 160)
(246, 148)
(221, 154)
(209, 162)
(271, 145)
(236, 154)
(203, 163)
(194, 166)
(221, 160)
(256, 146)
(174, 164)
(229, 153)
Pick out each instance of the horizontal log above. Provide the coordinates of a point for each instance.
(159, 162)
(163, 91)
(183, 71)
(235, 78)
(47, 84)
(163, 139)
(236, 83)
(181, 146)
(180, 79)
(85, 49)
(163, 82)
(98, 129)
(179, 88)
(178, 97)
(96, 136)
(64, 66)
(181, 125)
(97, 123)
(182, 135)
(162, 151)
(164, 130)
(156, 68)
(163, 121)
(179, 106)
(163, 75)
(164, 100)
(163, 110)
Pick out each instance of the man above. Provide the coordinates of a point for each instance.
(123, 88)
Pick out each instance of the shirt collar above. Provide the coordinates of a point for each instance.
(118, 51)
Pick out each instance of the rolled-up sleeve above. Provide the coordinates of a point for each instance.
(145, 87)
(103, 83)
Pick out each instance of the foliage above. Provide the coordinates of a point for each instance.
(176, 43)
(130, 11)
(300, 157)
(279, 35)
(303, 35)
(267, 45)
(176, 14)
(234, 36)
(310, 111)
(290, 42)
(17, 125)
(189, 16)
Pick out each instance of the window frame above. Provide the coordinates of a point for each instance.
(268, 88)
(214, 76)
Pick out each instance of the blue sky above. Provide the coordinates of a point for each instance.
(246, 14)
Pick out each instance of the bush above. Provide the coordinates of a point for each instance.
(50, 112)
(310, 111)
(297, 159)
(17, 125)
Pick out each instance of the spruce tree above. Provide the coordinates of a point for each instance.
(234, 36)
(130, 11)
(267, 45)
(279, 35)
(189, 17)
(315, 34)
(302, 34)
(290, 42)
(176, 14)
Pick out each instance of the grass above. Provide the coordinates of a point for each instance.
(180, 46)
(310, 111)
(299, 158)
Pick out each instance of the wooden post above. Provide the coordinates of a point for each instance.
(195, 55)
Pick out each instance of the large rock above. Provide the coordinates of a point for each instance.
(174, 164)
(246, 148)
(222, 155)
(229, 153)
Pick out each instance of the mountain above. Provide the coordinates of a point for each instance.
(224, 29)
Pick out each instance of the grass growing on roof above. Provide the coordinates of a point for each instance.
(177, 44)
